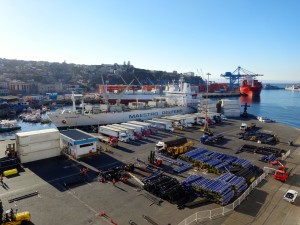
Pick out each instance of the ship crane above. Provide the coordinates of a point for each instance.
(235, 76)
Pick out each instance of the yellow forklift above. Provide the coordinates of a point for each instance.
(9, 217)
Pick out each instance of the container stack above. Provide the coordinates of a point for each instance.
(231, 108)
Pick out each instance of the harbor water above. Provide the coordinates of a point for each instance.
(280, 105)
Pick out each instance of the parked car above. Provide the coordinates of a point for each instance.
(290, 195)
(264, 119)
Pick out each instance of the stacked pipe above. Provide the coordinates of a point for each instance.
(214, 162)
(243, 163)
(165, 187)
(238, 183)
(268, 158)
(249, 174)
(215, 190)
(151, 177)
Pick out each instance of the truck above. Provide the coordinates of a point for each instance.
(187, 120)
(9, 217)
(138, 135)
(171, 142)
(109, 140)
(145, 125)
(206, 139)
(139, 128)
(135, 133)
(179, 122)
(112, 132)
(175, 124)
(164, 125)
(246, 127)
(129, 133)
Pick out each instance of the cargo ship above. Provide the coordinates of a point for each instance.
(250, 86)
(177, 99)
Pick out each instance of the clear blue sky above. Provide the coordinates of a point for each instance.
(216, 36)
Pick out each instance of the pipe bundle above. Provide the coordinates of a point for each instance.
(238, 183)
(215, 190)
(268, 158)
(214, 162)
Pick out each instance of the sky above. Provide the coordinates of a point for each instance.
(201, 36)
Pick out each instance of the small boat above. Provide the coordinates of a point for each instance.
(271, 87)
(8, 125)
(265, 119)
(293, 88)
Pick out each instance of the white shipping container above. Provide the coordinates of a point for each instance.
(34, 156)
(41, 146)
(25, 138)
(232, 113)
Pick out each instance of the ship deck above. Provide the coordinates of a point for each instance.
(83, 203)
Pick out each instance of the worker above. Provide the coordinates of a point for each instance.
(113, 181)
(1, 179)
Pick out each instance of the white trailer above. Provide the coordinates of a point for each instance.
(170, 122)
(37, 145)
(189, 119)
(178, 122)
(164, 125)
(140, 128)
(146, 126)
(108, 131)
(137, 134)
(129, 132)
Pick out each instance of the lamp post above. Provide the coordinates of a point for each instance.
(206, 123)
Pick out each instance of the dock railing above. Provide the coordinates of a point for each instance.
(210, 214)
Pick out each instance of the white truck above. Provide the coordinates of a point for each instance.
(112, 132)
(135, 132)
(177, 122)
(186, 120)
(139, 128)
(171, 123)
(129, 132)
(163, 125)
(145, 125)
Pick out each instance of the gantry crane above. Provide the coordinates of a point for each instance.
(235, 76)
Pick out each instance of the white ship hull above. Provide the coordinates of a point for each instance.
(71, 119)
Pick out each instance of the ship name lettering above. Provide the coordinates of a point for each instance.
(141, 115)
(178, 111)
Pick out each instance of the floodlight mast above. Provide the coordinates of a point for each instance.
(206, 108)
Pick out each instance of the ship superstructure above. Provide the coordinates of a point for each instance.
(178, 99)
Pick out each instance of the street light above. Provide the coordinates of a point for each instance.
(206, 122)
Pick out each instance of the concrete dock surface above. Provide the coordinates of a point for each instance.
(84, 203)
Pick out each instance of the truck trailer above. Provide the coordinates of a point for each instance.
(112, 132)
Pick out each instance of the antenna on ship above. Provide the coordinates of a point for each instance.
(105, 91)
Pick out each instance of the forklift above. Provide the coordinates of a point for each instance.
(9, 217)
(154, 160)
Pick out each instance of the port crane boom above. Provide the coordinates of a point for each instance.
(235, 76)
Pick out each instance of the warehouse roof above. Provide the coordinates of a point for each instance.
(76, 135)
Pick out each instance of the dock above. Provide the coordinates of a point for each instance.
(121, 202)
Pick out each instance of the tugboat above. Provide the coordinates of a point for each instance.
(8, 125)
